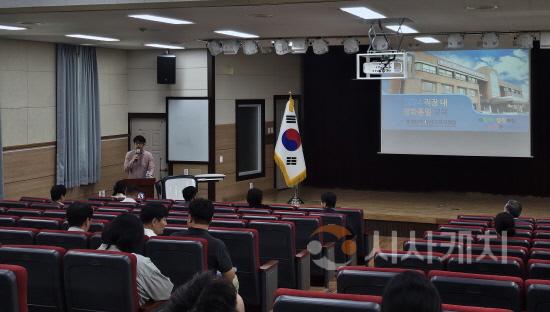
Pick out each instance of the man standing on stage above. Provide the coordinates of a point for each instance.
(139, 163)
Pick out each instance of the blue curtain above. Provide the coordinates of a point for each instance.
(78, 128)
(1, 166)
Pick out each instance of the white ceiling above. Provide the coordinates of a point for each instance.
(291, 19)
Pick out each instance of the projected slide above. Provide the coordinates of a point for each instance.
(469, 103)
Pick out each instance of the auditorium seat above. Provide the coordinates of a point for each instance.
(106, 215)
(102, 199)
(97, 225)
(57, 213)
(537, 295)
(176, 220)
(479, 290)
(289, 213)
(13, 204)
(355, 221)
(13, 287)
(225, 209)
(65, 239)
(179, 258)
(432, 245)
(463, 238)
(45, 206)
(112, 209)
(40, 223)
(543, 227)
(166, 202)
(94, 241)
(510, 241)
(253, 211)
(457, 308)
(474, 230)
(542, 234)
(539, 253)
(525, 226)
(498, 250)
(180, 207)
(489, 219)
(121, 204)
(282, 207)
(538, 269)
(176, 213)
(223, 215)
(339, 220)
(311, 209)
(8, 220)
(361, 280)
(100, 281)
(541, 243)
(417, 261)
(291, 300)
(523, 233)
(24, 212)
(277, 242)
(493, 265)
(17, 236)
(171, 228)
(258, 217)
(526, 219)
(257, 281)
(32, 200)
(542, 221)
(44, 269)
(229, 223)
(468, 222)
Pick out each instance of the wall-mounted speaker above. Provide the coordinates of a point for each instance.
(166, 69)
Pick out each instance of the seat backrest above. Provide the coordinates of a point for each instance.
(13, 287)
(305, 227)
(361, 280)
(229, 223)
(277, 242)
(52, 206)
(44, 268)
(113, 209)
(499, 250)
(40, 223)
(282, 207)
(431, 245)
(24, 212)
(94, 241)
(13, 204)
(416, 261)
(355, 220)
(495, 265)
(289, 213)
(469, 222)
(539, 253)
(223, 215)
(100, 281)
(537, 295)
(538, 269)
(337, 219)
(542, 234)
(253, 211)
(291, 300)
(8, 220)
(65, 239)
(224, 209)
(463, 238)
(176, 220)
(97, 225)
(492, 240)
(121, 204)
(541, 243)
(475, 230)
(459, 308)
(259, 217)
(55, 213)
(171, 228)
(106, 215)
(169, 253)
(32, 200)
(17, 236)
(477, 217)
(479, 290)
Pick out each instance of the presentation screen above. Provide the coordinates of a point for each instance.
(464, 103)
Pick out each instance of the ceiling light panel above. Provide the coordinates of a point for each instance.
(163, 46)
(363, 12)
(91, 37)
(234, 33)
(6, 27)
(161, 19)
(427, 39)
(403, 29)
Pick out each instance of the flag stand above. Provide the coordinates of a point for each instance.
(295, 200)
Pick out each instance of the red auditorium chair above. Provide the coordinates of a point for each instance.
(106, 215)
(253, 211)
(94, 241)
(338, 219)
(45, 206)
(179, 207)
(538, 269)
(176, 220)
(97, 225)
(225, 209)
(510, 241)
(223, 215)
(13, 287)
(416, 261)
(16, 235)
(542, 234)
(65, 239)
(40, 223)
(468, 222)
(167, 202)
(355, 220)
(537, 295)
(539, 253)
(179, 258)
(171, 228)
(477, 217)
(100, 281)
(361, 280)
(542, 221)
(525, 219)
(499, 250)
(102, 199)
(463, 238)
(34, 199)
(278, 242)
(474, 230)
(112, 209)
(8, 220)
(44, 268)
(229, 223)
(282, 207)
(13, 204)
(177, 213)
(289, 213)
(121, 205)
(311, 209)
(57, 213)
(291, 300)
(541, 243)
(479, 290)
(443, 247)
(509, 266)
(457, 308)
(24, 212)
(258, 217)
(543, 227)
(524, 226)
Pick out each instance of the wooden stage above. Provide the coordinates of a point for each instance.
(386, 211)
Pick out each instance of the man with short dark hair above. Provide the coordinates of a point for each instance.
(189, 193)
(57, 194)
(79, 216)
(201, 212)
(513, 207)
(328, 201)
(139, 163)
(254, 198)
(153, 216)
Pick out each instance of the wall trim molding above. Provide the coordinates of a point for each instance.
(54, 143)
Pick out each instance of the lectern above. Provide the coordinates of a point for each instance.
(146, 186)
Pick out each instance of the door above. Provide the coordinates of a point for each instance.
(279, 102)
(154, 131)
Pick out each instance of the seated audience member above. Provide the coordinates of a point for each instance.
(79, 217)
(153, 216)
(205, 293)
(504, 222)
(125, 233)
(513, 207)
(57, 194)
(189, 193)
(131, 195)
(410, 291)
(328, 201)
(254, 197)
(119, 191)
(200, 216)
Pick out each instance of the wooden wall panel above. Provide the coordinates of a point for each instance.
(194, 169)
(28, 164)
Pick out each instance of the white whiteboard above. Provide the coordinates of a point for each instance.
(187, 129)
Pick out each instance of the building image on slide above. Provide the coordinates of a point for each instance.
(433, 73)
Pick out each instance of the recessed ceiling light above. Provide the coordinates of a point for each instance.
(363, 12)
(427, 39)
(160, 19)
(486, 7)
(403, 29)
(163, 46)
(5, 27)
(90, 37)
(234, 33)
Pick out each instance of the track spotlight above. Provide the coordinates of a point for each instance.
(490, 40)
(455, 41)
(320, 46)
(351, 45)
(215, 47)
(250, 47)
(298, 46)
(523, 41)
(231, 47)
(281, 47)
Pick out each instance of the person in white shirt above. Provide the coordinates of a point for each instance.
(153, 216)
(119, 192)
(79, 217)
(125, 234)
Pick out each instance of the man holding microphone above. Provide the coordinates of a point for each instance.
(139, 163)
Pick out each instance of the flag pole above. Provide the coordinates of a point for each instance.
(296, 200)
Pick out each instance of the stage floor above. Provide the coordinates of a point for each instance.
(432, 207)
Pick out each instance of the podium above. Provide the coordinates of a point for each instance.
(146, 186)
